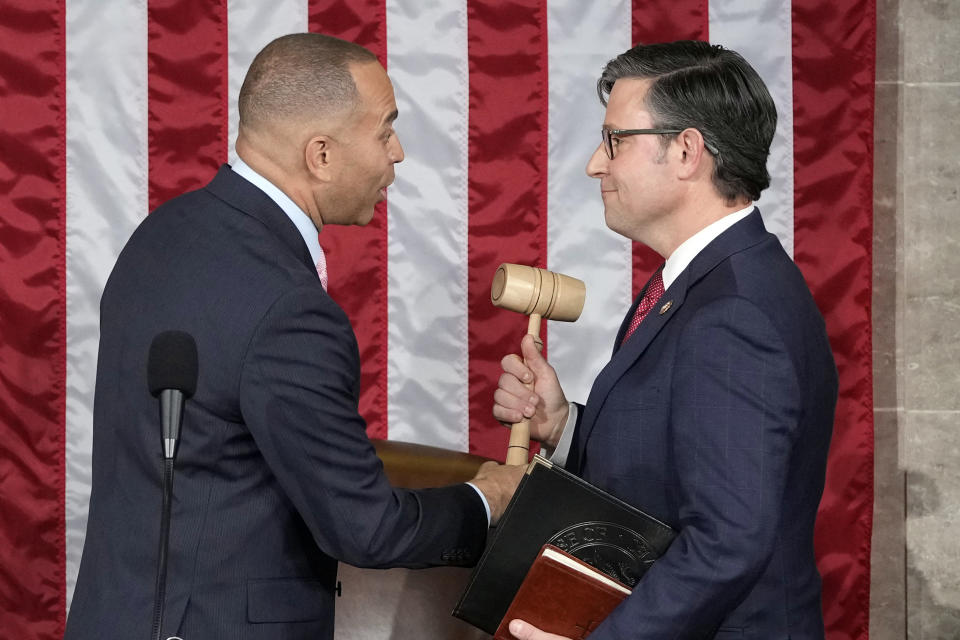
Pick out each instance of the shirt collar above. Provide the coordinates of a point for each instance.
(297, 215)
(688, 250)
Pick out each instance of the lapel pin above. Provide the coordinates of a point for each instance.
(666, 307)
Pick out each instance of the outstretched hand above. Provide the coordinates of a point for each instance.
(498, 482)
(545, 405)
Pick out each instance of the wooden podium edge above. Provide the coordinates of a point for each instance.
(419, 466)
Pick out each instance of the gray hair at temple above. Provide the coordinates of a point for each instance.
(711, 89)
(301, 75)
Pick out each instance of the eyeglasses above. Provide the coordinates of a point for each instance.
(609, 134)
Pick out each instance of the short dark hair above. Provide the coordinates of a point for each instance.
(300, 74)
(714, 90)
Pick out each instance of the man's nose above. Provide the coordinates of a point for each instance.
(396, 152)
(597, 165)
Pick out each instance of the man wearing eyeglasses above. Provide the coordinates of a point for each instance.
(715, 411)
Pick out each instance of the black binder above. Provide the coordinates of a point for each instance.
(553, 506)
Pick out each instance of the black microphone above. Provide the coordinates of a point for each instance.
(172, 376)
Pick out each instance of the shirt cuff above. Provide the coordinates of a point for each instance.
(483, 498)
(562, 450)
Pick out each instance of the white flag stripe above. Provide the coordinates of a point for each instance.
(582, 38)
(427, 360)
(106, 184)
(251, 25)
(761, 31)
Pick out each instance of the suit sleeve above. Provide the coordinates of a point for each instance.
(299, 391)
(734, 414)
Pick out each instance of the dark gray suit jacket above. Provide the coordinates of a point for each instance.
(715, 416)
(276, 479)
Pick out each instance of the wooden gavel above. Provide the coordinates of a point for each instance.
(537, 293)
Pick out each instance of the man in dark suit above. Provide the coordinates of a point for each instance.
(275, 478)
(715, 411)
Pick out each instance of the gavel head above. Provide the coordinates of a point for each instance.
(530, 290)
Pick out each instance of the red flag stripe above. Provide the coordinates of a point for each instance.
(187, 94)
(657, 21)
(833, 91)
(507, 185)
(33, 316)
(358, 256)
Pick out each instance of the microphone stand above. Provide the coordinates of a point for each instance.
(161, 584)
(171, 412)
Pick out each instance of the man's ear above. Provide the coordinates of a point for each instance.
(691, 152)
(320, 155)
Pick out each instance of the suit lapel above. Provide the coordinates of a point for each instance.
(628, 353)
(742, 235)
(240, 194)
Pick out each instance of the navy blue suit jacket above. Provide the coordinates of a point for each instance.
(715, 416)
(276, 479)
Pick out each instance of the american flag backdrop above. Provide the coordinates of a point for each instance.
(109, 107)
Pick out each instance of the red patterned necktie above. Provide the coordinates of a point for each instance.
(650, 298)
(322, 269)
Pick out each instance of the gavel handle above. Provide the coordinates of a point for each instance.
(518, 451)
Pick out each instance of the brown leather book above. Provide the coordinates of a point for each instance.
(553, 506)
(564, 595)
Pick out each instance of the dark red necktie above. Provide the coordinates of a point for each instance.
(322, 269)
(650, 298)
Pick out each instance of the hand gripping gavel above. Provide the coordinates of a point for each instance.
(537, 293)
